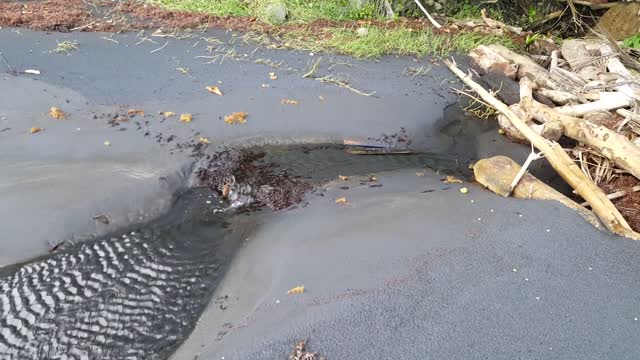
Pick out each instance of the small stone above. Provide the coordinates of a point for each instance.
(590, 268)
(526, 279)
(491, 210)
(479, 219)
(437, 6)
(362, 32)
(548, 230)
(277, 301)
(275, 13)
(208, 201)
(537, 298)
(514, 270)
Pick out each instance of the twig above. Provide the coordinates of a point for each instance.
(343, 84)
(432, 20)
(618, 194)
(312, 69)
(109, 39)
(160, 48)
(83, 26)
(533, 155)
(7, 62)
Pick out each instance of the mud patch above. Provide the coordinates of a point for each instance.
(238, 177)
(49, 15)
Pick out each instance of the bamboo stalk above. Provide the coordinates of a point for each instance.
(559, 160)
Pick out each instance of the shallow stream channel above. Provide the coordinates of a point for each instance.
(138, 293)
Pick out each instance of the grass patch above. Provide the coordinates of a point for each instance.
(298, 10)
(378, 41)
(398, 41)
(65, 47)
(211, 7)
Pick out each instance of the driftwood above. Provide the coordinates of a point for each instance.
(528, 68)
(610, 144)
(498, 172)
(557, 157)
(608, 101)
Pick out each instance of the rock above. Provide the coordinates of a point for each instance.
(362, 31)
(622, 20)
(429, 2)
(275, 12)
(437, 6)
(575, 52)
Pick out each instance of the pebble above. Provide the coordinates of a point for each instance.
(537, 298)
(208, 201)
(548, 230)
(515, 270)
(526, 279)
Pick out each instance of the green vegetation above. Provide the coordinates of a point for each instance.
(632, 42)
(298, 10)
(400, 41)
(376, 42)
(65, 47)
(216, 7)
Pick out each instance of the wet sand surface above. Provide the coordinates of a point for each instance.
(412, 269)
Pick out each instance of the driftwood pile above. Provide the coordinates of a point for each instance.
(585, 90)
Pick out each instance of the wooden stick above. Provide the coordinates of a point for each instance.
(432, 20)
(532, 156)
(559, 160)
(618, 194)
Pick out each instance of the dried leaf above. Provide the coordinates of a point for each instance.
(186, 118)
(289, 101)
(56, 113)
(452, 180)
(226, 189)
(464, 190)
(214, 89)
(204, 140)
(107, 143)
(296, 290)
(273, 76)
(34, 130)
(236, 118)
(342, 201)
(134, 112)
(372, 178)
(168, 114)
(343, 178)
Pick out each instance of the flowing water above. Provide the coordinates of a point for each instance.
(137, 294)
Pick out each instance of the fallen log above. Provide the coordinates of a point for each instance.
(498, 172)
(528, 68)
(608, 101)
(612, 145)
(559, 160)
